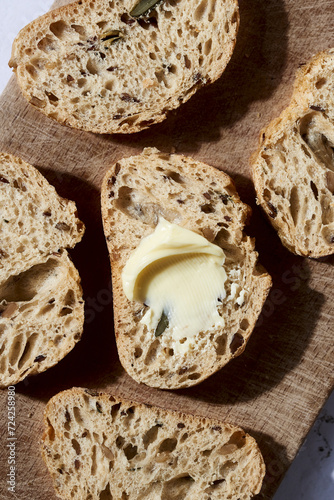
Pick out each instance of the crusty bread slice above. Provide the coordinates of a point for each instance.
(93, 66)
(293, 169)
(41, 318)
(97, 446)
(35, 221)
(41, 306)
(135, 192)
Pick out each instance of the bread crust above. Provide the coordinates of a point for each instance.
(135, 192)
(69, 72)
(144, 452)
(293, 166)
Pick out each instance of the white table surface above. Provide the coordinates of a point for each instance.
(311, 476)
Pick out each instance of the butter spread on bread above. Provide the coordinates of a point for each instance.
(180, 276)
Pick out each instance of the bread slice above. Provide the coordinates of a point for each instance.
(135, 192)
(293, 169)
(35, 221)
(96, 67)
(41, 306)
(97, 446)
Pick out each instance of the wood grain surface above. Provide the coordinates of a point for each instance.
(276, 388)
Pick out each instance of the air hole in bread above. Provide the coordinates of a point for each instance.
(94, 463)
(236, 343)
(92, 67)
(76, 446)
(168, 445)
(138, 352)
(60, 29)
(130, 451)
(28, 349)
(294, 204)
(244, 324)
(120, 442)
(175, 176)
(114, 410)
(77, 415)
(47, 44)
(65, 311)
(178, 488)
(238, 439)
(266, 195)
(24, 287)
(200, 11)
(221, 344)
(227, 449)
(161, 77)
(314, 190)
(152, 352)
(52, 98)
(320, 83)
(206, 453)
(79, 29)
(107, 453)
(50, 430)
(187, 62)
(109, 85)
(184, 437)
(106, 494)
(150, 436)
(32, 71)
(81, 83)
(207, 47)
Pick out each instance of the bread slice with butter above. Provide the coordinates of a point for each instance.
(119, 66)
(293, 168)
(186, 283)
(100, 446)
(41, 305)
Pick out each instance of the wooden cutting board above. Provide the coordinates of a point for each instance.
(277, 387)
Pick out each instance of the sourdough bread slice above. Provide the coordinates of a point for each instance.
(100, 446)
(135, 193)
(293, 169)
(41, 318)
(96, 67)
(41, 306)
(35, 221)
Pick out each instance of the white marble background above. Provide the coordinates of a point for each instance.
(311, 476)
